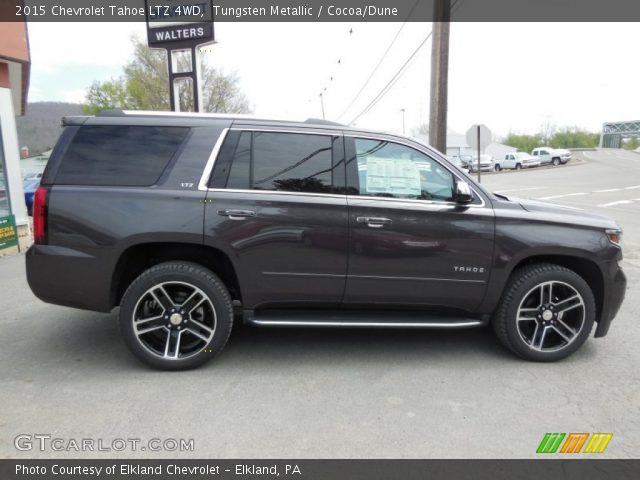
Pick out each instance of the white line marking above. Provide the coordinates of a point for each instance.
(607, 190)
(633, 187)
(520, 189)
(561, 196)
(611, 204)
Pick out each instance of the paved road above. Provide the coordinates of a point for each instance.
(323, 394)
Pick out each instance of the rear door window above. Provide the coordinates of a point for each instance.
(292, 162)
(279, 161)
(119, 155)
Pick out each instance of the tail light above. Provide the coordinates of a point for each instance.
(40, 215)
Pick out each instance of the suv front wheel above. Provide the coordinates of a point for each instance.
(176, 316)
(546, 313)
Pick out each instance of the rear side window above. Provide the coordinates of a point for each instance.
(291, 162)
(119, 155)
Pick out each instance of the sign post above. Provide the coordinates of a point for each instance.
(8, 233)
(179, 25)
(478, 137)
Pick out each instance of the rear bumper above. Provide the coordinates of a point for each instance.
(615, 286)
(68, 277)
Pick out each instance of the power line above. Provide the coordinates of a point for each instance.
(384, 55)
(393, 80)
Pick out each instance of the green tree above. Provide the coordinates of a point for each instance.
(573, 137)
(106, 96)
(631, 143)
(522, 142)
(145, 86)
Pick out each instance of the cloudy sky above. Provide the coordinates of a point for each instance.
(509, 76)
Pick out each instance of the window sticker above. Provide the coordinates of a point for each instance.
(395, 176)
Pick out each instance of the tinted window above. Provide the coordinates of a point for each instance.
(119, 155)
(240, 173)
(291, 162)
(388, 169)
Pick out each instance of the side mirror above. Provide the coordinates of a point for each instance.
(463, 194)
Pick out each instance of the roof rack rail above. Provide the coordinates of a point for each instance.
(320, 121)
(110, 113)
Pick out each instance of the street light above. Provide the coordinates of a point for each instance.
(402, 110)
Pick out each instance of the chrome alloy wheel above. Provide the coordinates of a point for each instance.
(174, 320)
(551, 316)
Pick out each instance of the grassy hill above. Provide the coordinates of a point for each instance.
(40, 128)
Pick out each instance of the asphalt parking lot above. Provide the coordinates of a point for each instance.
(290, 393)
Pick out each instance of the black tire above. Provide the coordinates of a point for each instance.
(518, 166)
(555, 161)
(497, 167)
(212, 319)
(524, 282)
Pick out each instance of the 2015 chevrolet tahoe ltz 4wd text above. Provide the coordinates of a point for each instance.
(180, 220)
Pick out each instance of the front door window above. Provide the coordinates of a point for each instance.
(391, 170)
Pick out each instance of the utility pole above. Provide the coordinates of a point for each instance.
(402, 110)
(439, 75)
(322, 104)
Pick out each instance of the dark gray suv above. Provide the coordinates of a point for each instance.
(183, 220)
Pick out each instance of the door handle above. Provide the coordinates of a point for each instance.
(374, 222)
(237, 214)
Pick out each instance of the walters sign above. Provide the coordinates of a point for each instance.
(8, 232)
(177, 24)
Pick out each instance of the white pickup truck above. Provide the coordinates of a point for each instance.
(551, 155)
(516, 161)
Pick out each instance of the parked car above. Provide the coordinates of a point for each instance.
(465, 160)
(30, 186)
(181, 219)
(516, 161)
(565, 155)
(32, 176)
(486, 163)
(457, 162)
(548, 155)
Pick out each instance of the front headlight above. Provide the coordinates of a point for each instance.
(615, 236)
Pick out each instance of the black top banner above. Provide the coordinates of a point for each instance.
(329, 10)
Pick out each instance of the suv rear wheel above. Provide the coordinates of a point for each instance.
(546, 313)
(556, 161)
(176, 316)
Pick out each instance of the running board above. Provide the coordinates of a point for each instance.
(359, 320)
